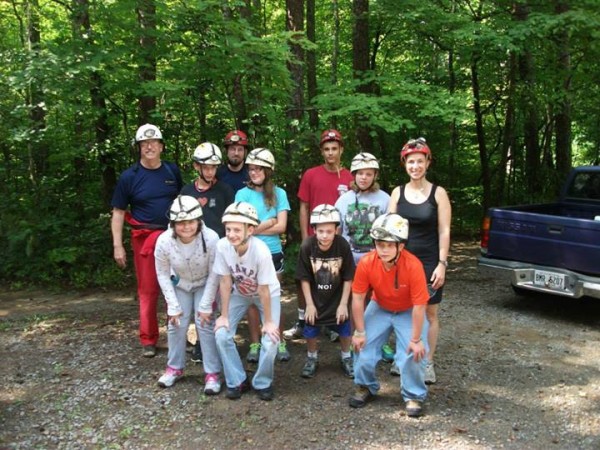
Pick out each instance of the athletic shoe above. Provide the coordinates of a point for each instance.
(296, 332)
(430, 374)
(236, 392)
(212, 384)
(361, 396)
(332, 335)
(254, 353)
(265, 394)
(414, 408)
(197, 353)
(310, 367)
(282, 352)
(189, 347)
(348, 367)
(387, 353)
(170, 377)
(149, 351)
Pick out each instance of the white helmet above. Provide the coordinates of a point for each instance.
(324, 214)
(364, 161)
(390, 227)
(146, 132)
(185, 207)
(241, 212)
(207, 153)
(261, 157)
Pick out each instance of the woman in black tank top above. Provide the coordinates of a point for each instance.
(427, 208)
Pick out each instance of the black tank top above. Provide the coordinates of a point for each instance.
(423, 239)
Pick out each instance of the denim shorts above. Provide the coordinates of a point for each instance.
(312, 331)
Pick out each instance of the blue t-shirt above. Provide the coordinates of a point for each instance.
(257, 199)
(148, 192)
(237, 180)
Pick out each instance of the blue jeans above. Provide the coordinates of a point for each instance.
(232, 363)
(177, 336)
(378, 325)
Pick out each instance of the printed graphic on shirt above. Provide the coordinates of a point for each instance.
(359, 218)
(245, 279)
(327, 272)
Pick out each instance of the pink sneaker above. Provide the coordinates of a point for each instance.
(170, 377)
(212, 384)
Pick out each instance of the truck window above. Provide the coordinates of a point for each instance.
(585, 186)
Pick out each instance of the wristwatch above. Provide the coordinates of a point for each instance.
(444, 263)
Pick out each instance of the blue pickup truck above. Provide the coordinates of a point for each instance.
(552, 248)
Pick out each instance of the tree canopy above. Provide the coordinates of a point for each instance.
(503, 91)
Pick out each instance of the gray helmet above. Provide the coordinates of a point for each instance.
(185, 207)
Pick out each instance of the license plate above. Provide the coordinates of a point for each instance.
(549, 279)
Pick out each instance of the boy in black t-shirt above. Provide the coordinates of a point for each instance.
(325, 269)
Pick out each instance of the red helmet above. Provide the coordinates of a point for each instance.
(418, 145)
(236, 137)
(331, 135)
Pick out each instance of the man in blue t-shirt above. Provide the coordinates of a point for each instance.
(147, 188)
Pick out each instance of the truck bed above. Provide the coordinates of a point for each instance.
(555, 235)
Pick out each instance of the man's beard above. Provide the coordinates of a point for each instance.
(234, 164)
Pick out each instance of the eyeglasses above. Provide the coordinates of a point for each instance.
(256, 169)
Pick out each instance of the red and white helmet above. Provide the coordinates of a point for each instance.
(418, 145)
(147, 132)
(331, 135)
(236, 137)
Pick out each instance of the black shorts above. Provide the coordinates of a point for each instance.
(278, 261)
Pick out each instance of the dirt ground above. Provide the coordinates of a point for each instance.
(513, 373)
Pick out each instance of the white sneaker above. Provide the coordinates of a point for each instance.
(212, 384)
(430, 374)
(170, 377)
(394, 370)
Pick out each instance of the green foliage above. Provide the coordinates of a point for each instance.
(219, 67)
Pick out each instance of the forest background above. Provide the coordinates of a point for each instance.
(505, 92)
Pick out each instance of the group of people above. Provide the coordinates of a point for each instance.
(370, 264)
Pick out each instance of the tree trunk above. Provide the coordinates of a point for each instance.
(563, 109)
(483, 153)
(311, 66)
(82, 28)
(295, 24)
(146, 12)
(335, 51)
(508, 146)
(37, 146)
(360, 66)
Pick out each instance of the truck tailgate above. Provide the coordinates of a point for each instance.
(549, 240)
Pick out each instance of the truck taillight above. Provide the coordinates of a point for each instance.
(485, 234)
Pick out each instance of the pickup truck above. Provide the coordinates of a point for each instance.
(552, 248)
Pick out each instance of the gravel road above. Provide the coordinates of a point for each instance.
(514, 373)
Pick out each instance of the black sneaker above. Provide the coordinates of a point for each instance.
(310, 367)
(266, 394)
(236, 392)
(197, 353)
(361, 396)
(348, 367)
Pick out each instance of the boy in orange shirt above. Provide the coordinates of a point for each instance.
(399, 300)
